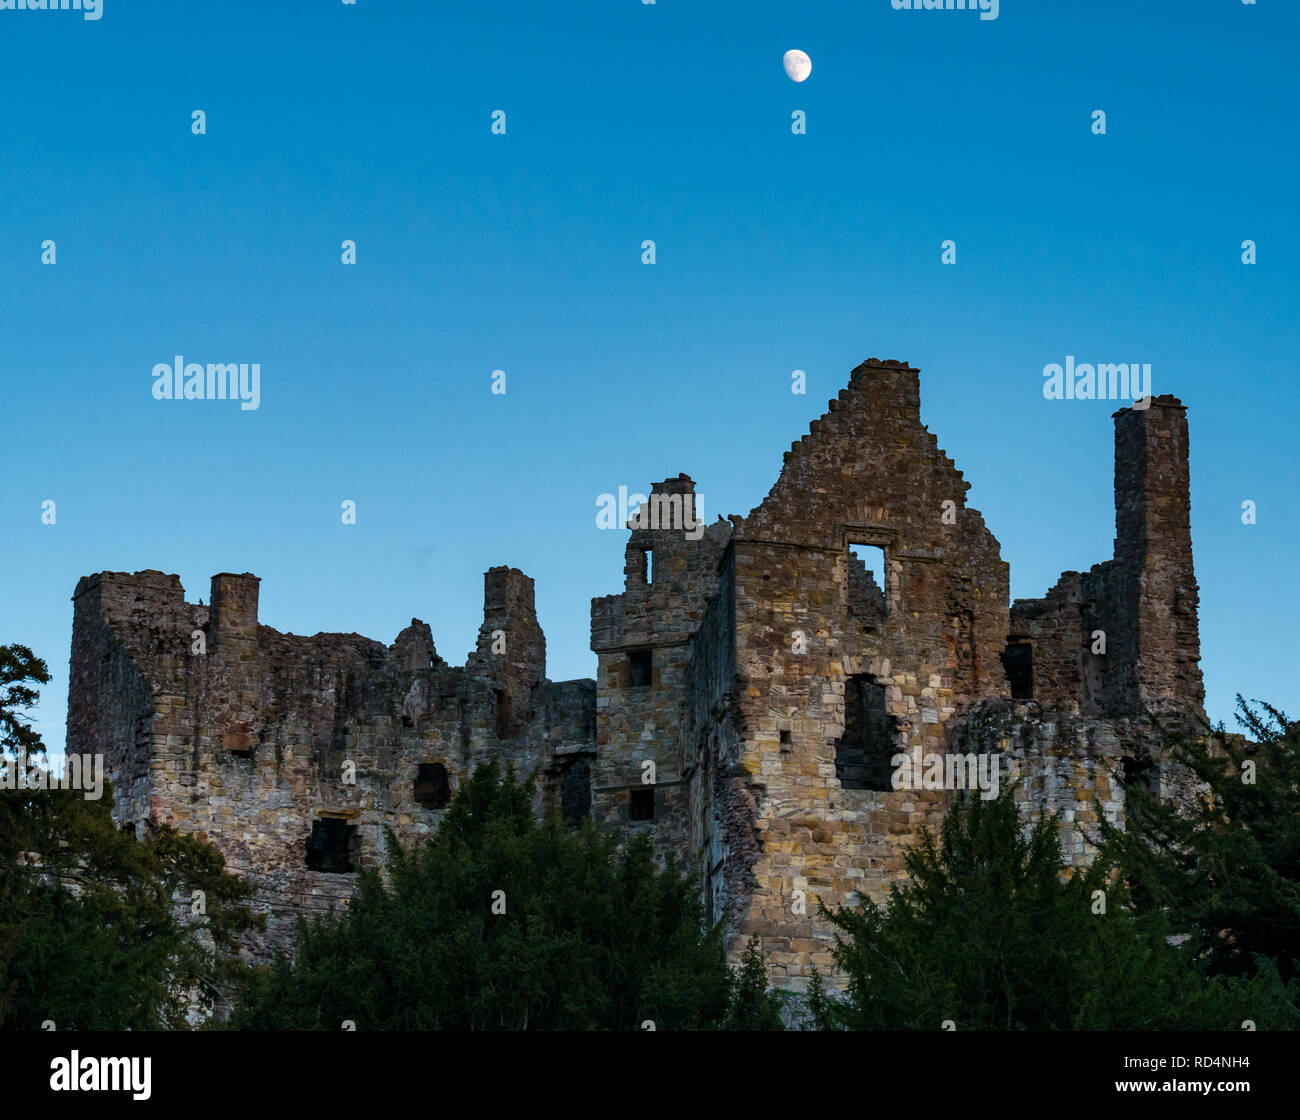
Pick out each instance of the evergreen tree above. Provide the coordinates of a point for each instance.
(754, 1006)
(1226, 869)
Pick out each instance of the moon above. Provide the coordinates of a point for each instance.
(797, 65)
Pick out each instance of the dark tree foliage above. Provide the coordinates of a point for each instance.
(586, 936)
(20, 669)
(754, 1006)
(20, 746)
(90, 934)
(1228, 873)
(994, 932)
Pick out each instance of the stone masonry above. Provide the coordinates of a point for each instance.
(756, 684)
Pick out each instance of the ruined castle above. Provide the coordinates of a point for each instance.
(768, 673)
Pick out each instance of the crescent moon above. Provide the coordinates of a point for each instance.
(797, 65)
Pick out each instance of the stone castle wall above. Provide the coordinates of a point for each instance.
(258, 740)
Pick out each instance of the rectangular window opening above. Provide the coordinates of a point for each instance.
(432, 790)
(867, 579)
(640, 668)
(330, 846)
(503, 721)
(641, 805)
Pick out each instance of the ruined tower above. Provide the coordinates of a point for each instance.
(1154, 613)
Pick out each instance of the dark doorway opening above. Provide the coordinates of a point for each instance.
(870, 739)
(1137, 772)
(1018, 662)
(575, 792)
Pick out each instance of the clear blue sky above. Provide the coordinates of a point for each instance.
(522, 252)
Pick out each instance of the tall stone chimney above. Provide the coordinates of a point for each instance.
(1154, 612)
